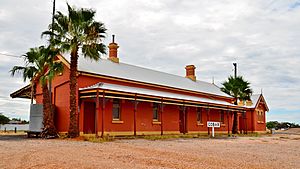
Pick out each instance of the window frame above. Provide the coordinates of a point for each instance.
(199, 117)
(119, 108)
(222, 117)
(155, 109)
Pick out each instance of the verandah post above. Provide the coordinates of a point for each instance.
(103, 108)
(184, 120)
(228, 123)
(245, 122)
(161, 118)
(207, 119)
(97, 112)
(134, 118)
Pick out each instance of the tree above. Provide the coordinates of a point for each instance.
(4, 119)
(71, 33)
(272, 124)
(240, 90)
(40, 66)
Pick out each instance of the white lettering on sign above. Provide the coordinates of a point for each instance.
(213, 124)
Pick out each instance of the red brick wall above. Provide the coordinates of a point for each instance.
(170, 120)
(60, 98)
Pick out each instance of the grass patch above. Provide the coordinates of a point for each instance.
(167, 137)
(249, 135)
(95, 139)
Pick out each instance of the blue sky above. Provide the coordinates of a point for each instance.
(165, 35)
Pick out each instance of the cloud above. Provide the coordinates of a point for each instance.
(261, 36)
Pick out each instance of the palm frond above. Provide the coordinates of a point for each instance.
(237, 87)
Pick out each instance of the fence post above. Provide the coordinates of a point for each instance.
(15, 129)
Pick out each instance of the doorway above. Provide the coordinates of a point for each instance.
(89, 118)
(241, 124)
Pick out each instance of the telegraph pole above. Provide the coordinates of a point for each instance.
(50, 83)
(53, 13)
(235, 69)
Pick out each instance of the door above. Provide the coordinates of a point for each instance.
(89, 117)
(241, 124)
(182, 120)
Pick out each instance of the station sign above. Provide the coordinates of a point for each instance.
(213, 124)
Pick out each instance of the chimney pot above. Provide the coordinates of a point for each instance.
(113, 50)
(190, 72)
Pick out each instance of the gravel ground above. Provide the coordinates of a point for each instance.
(278, 151)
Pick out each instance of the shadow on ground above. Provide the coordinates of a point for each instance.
(12, 137)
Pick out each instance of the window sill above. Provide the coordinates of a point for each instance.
(117, 122)
(200, 124)
(156, 122)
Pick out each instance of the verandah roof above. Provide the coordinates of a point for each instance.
(158, 94)
(24, 92)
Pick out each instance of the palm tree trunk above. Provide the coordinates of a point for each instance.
(235, 125)
(73, 128)
(49, 129)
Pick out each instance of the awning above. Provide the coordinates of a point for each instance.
(24, 92)
(143, 92)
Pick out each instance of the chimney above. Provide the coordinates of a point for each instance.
(113, 50)
(190, 72)
(249, 103)
(241, 103)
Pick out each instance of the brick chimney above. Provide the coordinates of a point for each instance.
(113, 50)
(190, 72)
(249, 103)
(241, 103)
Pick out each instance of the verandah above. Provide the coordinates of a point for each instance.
(101, 96)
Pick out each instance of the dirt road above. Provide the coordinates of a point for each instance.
(279, 151)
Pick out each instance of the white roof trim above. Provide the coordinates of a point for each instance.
(143, 91)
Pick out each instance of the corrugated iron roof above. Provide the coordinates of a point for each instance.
(140, 74)
(255, 99)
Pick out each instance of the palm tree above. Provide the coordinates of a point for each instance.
(73, 32)
(40, 65)
(240, 90)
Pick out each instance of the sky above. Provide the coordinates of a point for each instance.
(263, 37)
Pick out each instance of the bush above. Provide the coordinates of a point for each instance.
(4, 119)
(277, 125)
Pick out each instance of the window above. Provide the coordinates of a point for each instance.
(199, 115)
(155, 112)
(260, 116)
(116, 109)
(222, 116)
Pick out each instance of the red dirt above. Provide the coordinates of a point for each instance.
(279, 151)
